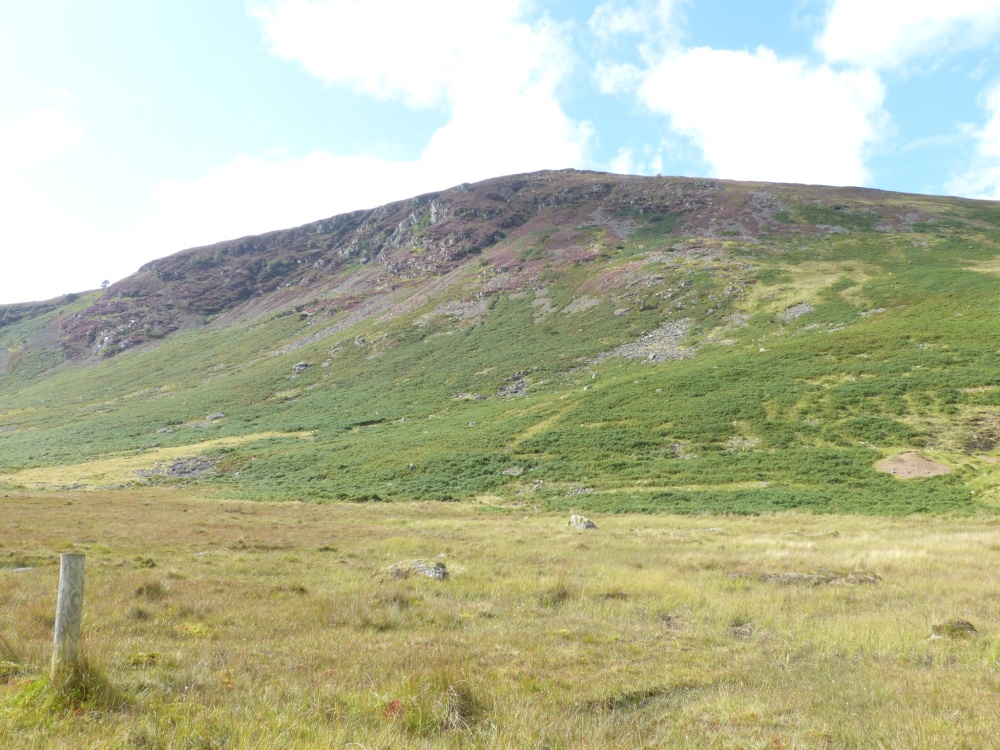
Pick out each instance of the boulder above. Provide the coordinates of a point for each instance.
(300, 366)
(581, 522)
(436, 570)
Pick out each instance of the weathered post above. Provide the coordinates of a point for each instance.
(69, 613)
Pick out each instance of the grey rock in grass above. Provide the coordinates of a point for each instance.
(581, 522)
(301, 366)
(215, 416)
(436, 570)
(741, 630)
(792, 313)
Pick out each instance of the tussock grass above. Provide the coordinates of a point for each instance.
(652, 631)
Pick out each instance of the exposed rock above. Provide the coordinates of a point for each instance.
(580, 304)
(365, 262)
(436, 570)
(215, 416)
(165, 431)
(661, 345)
(581, 522)
(912, 466)
(186, 468)
(301, 366)
(516, 384)
(514, 471)
(796, 311)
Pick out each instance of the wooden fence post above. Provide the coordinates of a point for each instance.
(69, 613)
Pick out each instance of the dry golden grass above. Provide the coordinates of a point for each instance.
(237, 625)
(119, 469)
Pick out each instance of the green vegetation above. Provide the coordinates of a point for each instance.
(808, 358)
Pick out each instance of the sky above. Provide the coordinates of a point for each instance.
(132, 130)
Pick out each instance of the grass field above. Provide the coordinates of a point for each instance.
(225, 624)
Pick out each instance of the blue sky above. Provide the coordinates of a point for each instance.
(131, 130)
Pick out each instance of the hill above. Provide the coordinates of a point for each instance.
(563, 339)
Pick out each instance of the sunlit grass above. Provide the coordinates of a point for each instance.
(256, 625)
(127, 468)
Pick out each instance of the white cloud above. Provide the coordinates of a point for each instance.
(758, 117)
(618, 78)
(982, 178)
(624, 162)
(32, 217)
(495, 71)
(889, 33)
(653, 19)
(427, 53)
(36, 137)
(250, 195)
(48, 247)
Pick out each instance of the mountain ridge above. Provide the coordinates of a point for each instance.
(426, 236)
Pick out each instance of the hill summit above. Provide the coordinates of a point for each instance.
(564, 339)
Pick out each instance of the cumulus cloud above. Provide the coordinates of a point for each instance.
(493, 72)
(250, 195)
(982, 178)
(654, 20)
(29, 210)
(758, 117)
(889, 33)
(437, 52)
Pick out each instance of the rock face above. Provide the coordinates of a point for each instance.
(436, 570)
(301, 366)
(581, 522)
(382, 251)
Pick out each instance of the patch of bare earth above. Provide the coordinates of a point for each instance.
(912, 466)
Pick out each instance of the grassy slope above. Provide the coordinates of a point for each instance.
(776, 413)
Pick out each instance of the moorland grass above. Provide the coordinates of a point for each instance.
(229, 624)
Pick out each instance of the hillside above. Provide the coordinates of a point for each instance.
(562, 339)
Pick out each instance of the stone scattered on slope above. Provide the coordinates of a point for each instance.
(215, 416)
(191, 467)
(301, 366)
(581, 522)
(436, 570)
(661, 345)
(794, 312)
